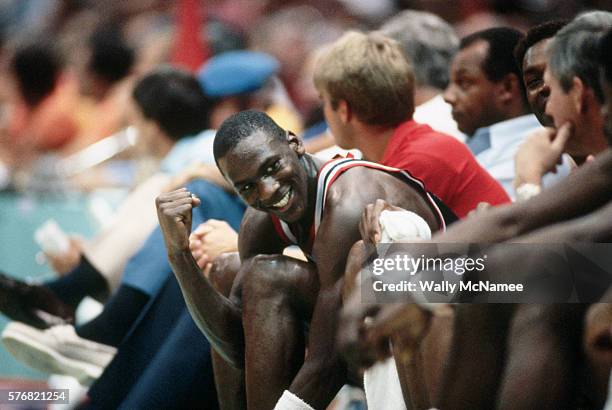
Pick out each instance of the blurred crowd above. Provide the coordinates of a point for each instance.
(68, 66)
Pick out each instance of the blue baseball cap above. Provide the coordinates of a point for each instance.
(236, 72)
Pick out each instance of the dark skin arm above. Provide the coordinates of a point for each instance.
(219, 317)
(581, 192)
(323, 373)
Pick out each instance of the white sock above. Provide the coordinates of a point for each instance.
(290, 401)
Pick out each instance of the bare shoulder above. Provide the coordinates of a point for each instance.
(368, 184)
(361, 186)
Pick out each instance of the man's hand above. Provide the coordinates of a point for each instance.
(67, 261)
(174, 214)
(404, 324)
(351, 336)
(540, 153)
(479, 210)
(369, 226)
(366, 330)
(211, 239)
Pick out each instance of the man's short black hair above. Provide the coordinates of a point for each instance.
(111, 56)
(499, 61)
(242, 125)
(605, 56)
(535, 35)
(36, 65)
(173, 99)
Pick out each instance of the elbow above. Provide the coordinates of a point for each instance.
(506, 224)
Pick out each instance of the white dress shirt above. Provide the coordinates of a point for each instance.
(505, 138)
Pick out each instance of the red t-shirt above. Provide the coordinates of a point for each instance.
(446, 166)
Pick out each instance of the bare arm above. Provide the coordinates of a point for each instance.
(594, 227)
(324, 372)
(217, 316)
(582, 192)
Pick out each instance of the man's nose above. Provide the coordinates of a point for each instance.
(449, 95)
(544, 91)
(267, 187)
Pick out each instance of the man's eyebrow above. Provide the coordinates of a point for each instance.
(260, 171)
(462, 71)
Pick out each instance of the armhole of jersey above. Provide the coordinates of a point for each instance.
(283, 231)
(333, 169)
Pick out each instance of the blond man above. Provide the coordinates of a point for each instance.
(367, 87)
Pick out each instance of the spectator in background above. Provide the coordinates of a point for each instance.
(240, 80)
(489, 101)
(532, 59)
(168, 106)
(574, 103)
(103, 69)
(429, 43)
(41, 102)
(147, 312)
(367, 87)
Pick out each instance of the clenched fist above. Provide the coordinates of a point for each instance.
(174, 214)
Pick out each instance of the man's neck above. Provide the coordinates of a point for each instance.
(424, 93)
(373, 141)
(311, 165)
(164, 146)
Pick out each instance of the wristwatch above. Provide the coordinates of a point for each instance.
(527, 190)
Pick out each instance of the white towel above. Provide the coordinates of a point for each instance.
(402, 226)
(290, 401)
(381, 381)
(382, 387)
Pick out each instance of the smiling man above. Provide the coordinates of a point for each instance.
(532, 58)
(293, 198)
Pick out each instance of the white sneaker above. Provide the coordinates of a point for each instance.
(58, 350)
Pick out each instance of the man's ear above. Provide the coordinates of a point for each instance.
(344, 111)
(295, 143)
(578, 95)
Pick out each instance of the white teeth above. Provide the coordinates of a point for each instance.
(284, 200)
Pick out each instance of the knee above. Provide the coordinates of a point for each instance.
(271, 275)
(223, 272)
(266, 272)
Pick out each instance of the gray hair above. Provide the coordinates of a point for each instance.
(573, 51)
(427, 41)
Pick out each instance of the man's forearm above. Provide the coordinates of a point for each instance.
(218, 317)
(323, 372)
(595, 227)
(580, 193)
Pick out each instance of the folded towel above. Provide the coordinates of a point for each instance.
(290, 401)
(381, 381)
(382, 387)
(402, 226)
